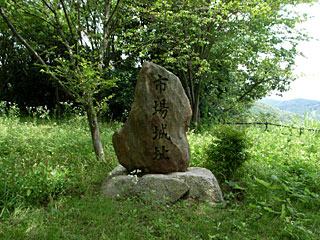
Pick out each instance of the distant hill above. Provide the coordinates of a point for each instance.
(299, 106)
(265, 110)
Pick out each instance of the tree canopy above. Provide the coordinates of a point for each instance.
(71, 41)
(226, 53)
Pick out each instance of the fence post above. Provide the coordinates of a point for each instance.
(266, 126)
(301, 131)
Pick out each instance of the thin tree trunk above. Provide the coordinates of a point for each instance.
(195, 107)
(197, 94)
(105, 40)
(191, 83)
(106, 31)
(184, 81)
(95, 133)
(57, 98)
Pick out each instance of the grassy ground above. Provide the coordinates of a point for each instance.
(50, 182)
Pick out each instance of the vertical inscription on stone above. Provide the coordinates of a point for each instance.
(160, 154)
(159, 131)
(161, 108)
(153, 138)
(161, 83)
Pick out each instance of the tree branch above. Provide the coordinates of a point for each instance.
(252, 87)
(32, 14)
(48, 6)
(28, 46)
(68, 19)
(60, 30)
(106, 32)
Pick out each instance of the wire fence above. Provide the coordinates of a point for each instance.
(267, 124)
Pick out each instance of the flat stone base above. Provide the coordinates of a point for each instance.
(194, 184)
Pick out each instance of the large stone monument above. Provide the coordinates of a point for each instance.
(153, 140)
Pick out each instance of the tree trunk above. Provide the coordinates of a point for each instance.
(57, 98)
(195, 106)
(95, 133)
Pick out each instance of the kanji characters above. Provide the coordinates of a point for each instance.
(159, 132)
(161, 107)
(160, 154)
(161, 83)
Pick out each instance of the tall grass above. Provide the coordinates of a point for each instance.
(50, 181)
(39, 162)
(281, 180)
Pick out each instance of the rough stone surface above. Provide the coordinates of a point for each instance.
(202, 184)
(194, 184)
(119, 170)
(160, 187)
(153, 138)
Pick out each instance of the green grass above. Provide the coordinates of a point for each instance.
(41, 161)
(50, 182)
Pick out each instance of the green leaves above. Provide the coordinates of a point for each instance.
(211, 41)
(264, 183)
(227, 152)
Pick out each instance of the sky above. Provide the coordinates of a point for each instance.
(307, 68)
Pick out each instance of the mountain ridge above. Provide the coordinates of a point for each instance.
(300, 106)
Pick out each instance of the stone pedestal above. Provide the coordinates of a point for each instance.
(194, 184)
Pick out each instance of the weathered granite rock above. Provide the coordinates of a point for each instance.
(153, 138)
(194, 184)
(160, 187)
(202, 184)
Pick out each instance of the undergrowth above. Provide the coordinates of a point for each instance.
(50, 181)
(40, 162)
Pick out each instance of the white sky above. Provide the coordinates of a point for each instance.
(308, 84)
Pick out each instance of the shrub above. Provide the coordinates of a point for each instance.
(227, 151)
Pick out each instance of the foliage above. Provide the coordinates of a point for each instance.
(32, 186)
(20, 80)
(120, 104)
(76, 58)
(226, 152)
(226, 53)
(85, 82)
(289, 176)
(64, 48)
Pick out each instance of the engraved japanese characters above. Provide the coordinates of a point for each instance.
(153, 139)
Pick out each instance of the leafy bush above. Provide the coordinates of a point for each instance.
(227, 151)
